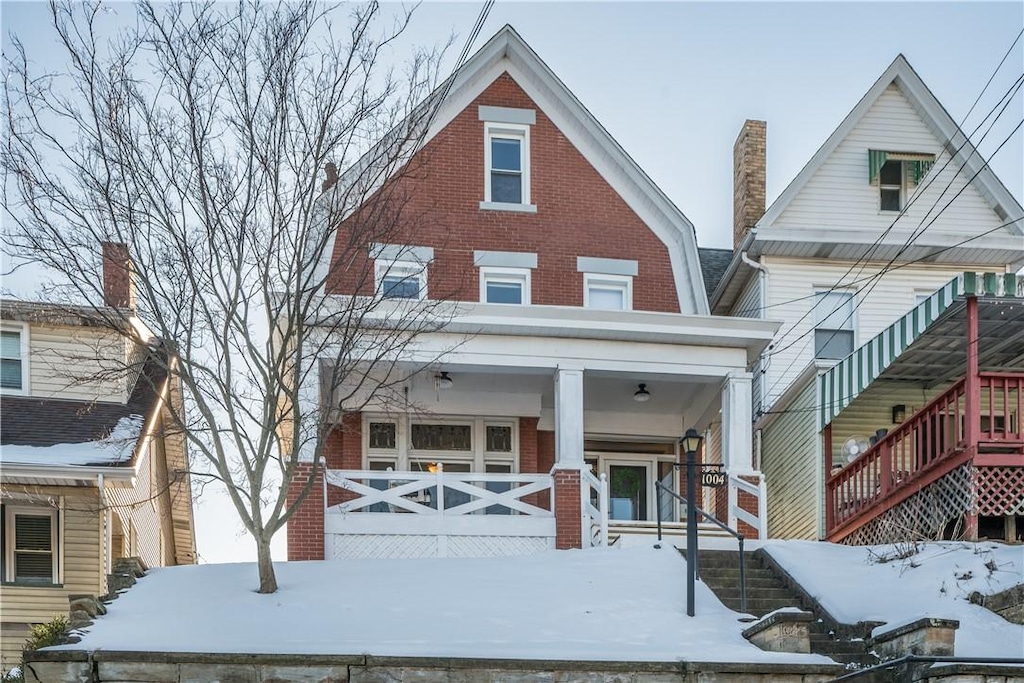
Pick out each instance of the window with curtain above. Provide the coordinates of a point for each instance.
(11, 362)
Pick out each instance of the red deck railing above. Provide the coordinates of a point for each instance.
(925, 447)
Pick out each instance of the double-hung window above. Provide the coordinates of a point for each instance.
(834, 331)
(30, 545)
(401, 280)
(507, 165)
(896, 174)
(13, 359)
(608, 292)
(505, 285)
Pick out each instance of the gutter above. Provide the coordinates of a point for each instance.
(734, 265)
(67, 472)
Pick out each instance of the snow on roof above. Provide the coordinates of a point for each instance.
(854, 586)
(113, 449)
(624, 604)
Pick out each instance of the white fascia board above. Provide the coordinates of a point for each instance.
(21, 472)
(729, 282)
(647, 359)
(897, 237)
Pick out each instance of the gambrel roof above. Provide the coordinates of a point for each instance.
(506, 51)
(772, 235)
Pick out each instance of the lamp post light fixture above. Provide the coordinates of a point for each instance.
(690, 444)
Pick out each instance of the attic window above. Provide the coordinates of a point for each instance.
(895, 173)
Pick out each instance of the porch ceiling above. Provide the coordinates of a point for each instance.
(939, 355)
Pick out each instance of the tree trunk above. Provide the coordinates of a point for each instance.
(268, 580)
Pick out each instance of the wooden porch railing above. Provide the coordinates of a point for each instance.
(928, 445)
(1002, 405)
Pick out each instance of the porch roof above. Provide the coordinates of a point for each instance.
(928, 345)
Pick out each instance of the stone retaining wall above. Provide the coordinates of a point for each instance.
(156, 667)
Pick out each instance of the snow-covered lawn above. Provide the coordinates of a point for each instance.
(609, 604)
(854, 586)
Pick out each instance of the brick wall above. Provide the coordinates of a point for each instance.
(306, 525)
(568, 520)
(748, 186)
(578, 214)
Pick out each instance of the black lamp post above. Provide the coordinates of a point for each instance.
(691, 444)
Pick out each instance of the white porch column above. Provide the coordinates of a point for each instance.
(737, 423)
(569, 416)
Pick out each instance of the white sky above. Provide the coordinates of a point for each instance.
(673, 83)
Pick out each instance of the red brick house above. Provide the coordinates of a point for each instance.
(585, 346)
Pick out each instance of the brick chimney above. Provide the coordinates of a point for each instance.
(118, 276)
(748, 184)
(332, 176)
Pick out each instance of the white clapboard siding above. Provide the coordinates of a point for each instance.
(76, 363)
(82, 552)
(880, 303)
(839, 194)
(792, 470)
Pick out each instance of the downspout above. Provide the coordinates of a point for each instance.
(762, 384)
(107, 532)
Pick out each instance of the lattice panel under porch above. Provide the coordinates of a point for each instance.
(922, 516)
(379, 546)
(495, 546)
(1000, 490)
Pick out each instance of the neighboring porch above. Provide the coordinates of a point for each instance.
(508, 448)
(954, 466)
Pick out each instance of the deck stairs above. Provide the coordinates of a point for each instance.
(766, 592)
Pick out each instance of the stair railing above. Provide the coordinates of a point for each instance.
(661, 489)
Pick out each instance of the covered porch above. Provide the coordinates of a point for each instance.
(922, 426)
(546, 431)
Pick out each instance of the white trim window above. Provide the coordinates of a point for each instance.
(505, 286)
(462, 444)
(14, 358)
(506, 165)
(401, 279)
(892, 186)
(30, 545)
(608, 292)
(834, 330)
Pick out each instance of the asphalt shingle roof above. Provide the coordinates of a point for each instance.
(31, 421)
(713, 264)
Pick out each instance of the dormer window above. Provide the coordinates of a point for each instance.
(896, 173)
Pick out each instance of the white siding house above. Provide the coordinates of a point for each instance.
(894, 204)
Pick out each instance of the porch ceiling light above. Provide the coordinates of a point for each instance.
(691, 441)
(642, 395)
(444, 381)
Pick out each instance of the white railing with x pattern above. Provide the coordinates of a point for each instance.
(437, 514)
(594, 497)
(759, 521)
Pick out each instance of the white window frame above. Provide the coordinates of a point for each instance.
(819, 314)
(10, 512)
(23, 331)
(384, 268)
(519, 276)
(623, 283)
(509, 131)
(902, 187)
(478, 456)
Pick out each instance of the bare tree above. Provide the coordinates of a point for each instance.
(197, 139)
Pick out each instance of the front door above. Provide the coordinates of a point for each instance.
(629, 490)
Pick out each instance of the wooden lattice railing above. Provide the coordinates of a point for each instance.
(930, 444)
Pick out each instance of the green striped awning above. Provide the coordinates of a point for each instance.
(838, 386)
